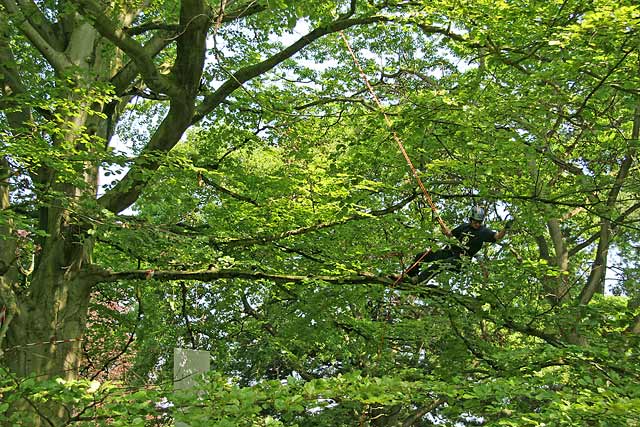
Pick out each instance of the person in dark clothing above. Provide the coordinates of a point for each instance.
(471, 235)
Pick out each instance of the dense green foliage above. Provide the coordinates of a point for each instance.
(268, 206)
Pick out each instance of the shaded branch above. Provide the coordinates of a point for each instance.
(228, 192)
(433, 29)
(299, 252)
(180, 115)
(335, 100)
(351, 11)
(216, 274)
(127, 74)
(474, 305)
(41, 24)
(241, 12)
(315, 227)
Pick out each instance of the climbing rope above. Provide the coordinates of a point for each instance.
(393, 132)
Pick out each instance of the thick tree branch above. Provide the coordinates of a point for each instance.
(41, 24)
(172, 127)
(432, 29)
(237, 79)
(129, 188)
(123, 78)
(10, 77)
(191, 46)
(185, 80)
(142, 58)
(422, 411)
(474, 305)
(599, 265)
(241, 11)
(216, 274)
(363, 278)
(560, 260)
(352, 10)
(41, 41)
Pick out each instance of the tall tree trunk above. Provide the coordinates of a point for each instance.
(49, 320)
(44, 338)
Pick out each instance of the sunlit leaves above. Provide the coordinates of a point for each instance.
(527, 109)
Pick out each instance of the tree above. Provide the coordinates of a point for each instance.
(68, 72)
(250, 172)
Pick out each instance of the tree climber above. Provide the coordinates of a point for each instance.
(471, 236)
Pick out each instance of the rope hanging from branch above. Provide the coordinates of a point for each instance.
(393, 132)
